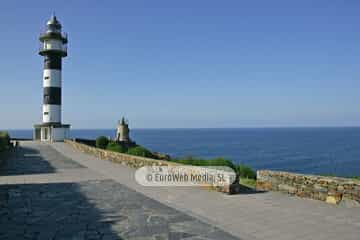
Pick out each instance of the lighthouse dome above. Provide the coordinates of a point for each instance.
(53, 31)
(53, 22)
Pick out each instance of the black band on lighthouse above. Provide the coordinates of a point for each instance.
(52, 95)
(52, 61)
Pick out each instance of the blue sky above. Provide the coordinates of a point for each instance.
(187, 63)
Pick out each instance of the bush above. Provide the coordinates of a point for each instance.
(140, 151)
(4, 141)
(245, 172)
(241, 170)
(113, 146)
(222, 162)
(206, 162)
(251, 183)
(102, 142)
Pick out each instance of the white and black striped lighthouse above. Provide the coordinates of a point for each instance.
(53, 48)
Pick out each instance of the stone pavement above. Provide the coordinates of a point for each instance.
(82, 197)
(45, 195)
(267, 216)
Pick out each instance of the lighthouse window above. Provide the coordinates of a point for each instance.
(47, 77)
(46, 113)
(46, 98)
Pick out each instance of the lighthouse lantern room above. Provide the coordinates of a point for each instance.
(53, 47)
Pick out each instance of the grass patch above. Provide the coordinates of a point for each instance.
(248, 182)
(113, 146)
(105, 143)
(245, 172)
(206, 162)
(140, 151)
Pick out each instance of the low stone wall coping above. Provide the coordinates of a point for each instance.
(335, 190)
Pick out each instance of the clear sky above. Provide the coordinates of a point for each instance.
(187, 63)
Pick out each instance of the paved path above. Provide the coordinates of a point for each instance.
(107, 194)
(46, 195)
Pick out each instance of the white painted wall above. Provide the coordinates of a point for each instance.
(51, 134)
(54, 113)
(54, 78)
(59, 134)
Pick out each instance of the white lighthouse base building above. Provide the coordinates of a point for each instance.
(51, 133)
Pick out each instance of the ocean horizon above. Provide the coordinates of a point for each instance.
(308, 150)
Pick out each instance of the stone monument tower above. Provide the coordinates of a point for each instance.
(53, 48)
(122, 134)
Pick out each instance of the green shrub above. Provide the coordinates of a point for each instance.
(241, 170)
(206, 162)
(115, 147)
(251, 183)
(4, 141)
(140, 151)
(222, 162)
(245, 172)
(102, 142)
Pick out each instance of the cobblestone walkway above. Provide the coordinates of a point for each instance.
(42, 196)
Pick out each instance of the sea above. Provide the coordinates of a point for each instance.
(324, 151)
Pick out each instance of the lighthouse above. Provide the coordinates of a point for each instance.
(53, 47)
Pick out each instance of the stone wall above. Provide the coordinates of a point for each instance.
(122, 158)
(137, 162)
(335, 190)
